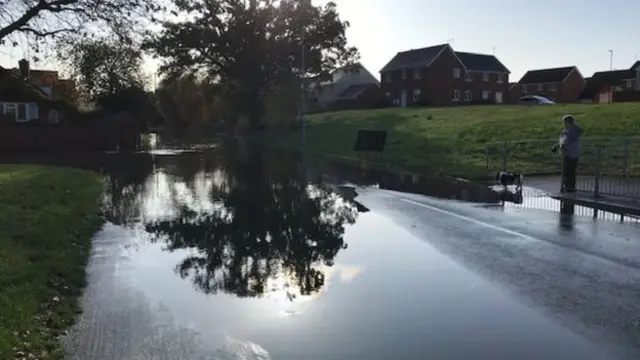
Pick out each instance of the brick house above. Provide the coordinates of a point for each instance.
(563, 84)
(440, 76)
(602, 85)
(37, 98)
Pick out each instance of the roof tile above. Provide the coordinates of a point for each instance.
(546, 75)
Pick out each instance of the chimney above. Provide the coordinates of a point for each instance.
(24, 68)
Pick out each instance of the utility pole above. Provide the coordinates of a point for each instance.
(303, 121)
(610, 60)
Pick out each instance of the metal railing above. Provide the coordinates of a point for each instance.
(607, 166)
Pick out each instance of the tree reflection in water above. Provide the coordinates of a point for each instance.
(267, 225)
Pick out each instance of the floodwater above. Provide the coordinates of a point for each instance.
(239, 253)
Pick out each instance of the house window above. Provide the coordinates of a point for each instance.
(22, 113)
(416, 94)
(467, 95)
(387, 95)
(387, 76)
(540, 87)
(486, 94)
(456, 73)
(456, 95)
(417, 74)
(10, 110)
(404, 74)
(629, 83)
(485, 76)
(468, 76)
(500, 78)
(553, 86)
(524, 88)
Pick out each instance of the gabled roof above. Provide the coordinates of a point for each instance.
(355, 68)
(414, 58)
(13, 87)
(481, 62)
(316, 82)
(354, 91)
(635, 65)
(614, 77)
(546, 75)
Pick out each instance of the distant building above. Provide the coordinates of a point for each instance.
(27, 94)
(562, 84)
(605, 86)
(440, 76)
(352, 87)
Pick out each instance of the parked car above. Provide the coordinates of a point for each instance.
(535, 99)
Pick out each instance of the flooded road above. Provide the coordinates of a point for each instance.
(240, 254)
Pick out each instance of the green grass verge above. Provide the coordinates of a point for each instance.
(47, 218)
(454, 140)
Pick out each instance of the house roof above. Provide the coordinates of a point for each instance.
(414, 58)
(635, 65)
(425, 56)
(341, 72)
(354, 91)
(481, 62)
(14, 88)
(546, 75)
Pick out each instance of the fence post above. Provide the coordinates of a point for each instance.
(505, 156)
(625, 160)
(596, 183)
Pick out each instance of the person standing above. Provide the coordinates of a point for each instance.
(571, 147)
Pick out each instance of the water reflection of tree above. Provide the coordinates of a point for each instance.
(268, 221)
(127, 174)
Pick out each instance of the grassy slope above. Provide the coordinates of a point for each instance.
(47, 218)
(453, 140)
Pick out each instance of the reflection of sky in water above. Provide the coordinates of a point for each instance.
(164, 195)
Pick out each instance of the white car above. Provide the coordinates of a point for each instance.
(535, 99)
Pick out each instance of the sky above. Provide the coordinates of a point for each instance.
(523, 34)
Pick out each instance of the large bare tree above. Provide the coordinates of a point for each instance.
(45, 19)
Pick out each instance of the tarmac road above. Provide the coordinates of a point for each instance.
(421, 278)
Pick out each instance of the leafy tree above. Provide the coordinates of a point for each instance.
(251, 47)
(45, 19)
(190, 101)
(102, 67)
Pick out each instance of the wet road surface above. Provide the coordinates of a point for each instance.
(215, 257)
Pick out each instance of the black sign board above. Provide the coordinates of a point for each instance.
(371, 140)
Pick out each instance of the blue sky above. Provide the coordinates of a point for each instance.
(525, 34)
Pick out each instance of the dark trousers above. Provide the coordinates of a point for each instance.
(569, 173)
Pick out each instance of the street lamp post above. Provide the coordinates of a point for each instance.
(610, 69)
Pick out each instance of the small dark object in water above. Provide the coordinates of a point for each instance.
(510, 178)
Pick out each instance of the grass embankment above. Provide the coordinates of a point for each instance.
(454, 140)
(47, 218)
